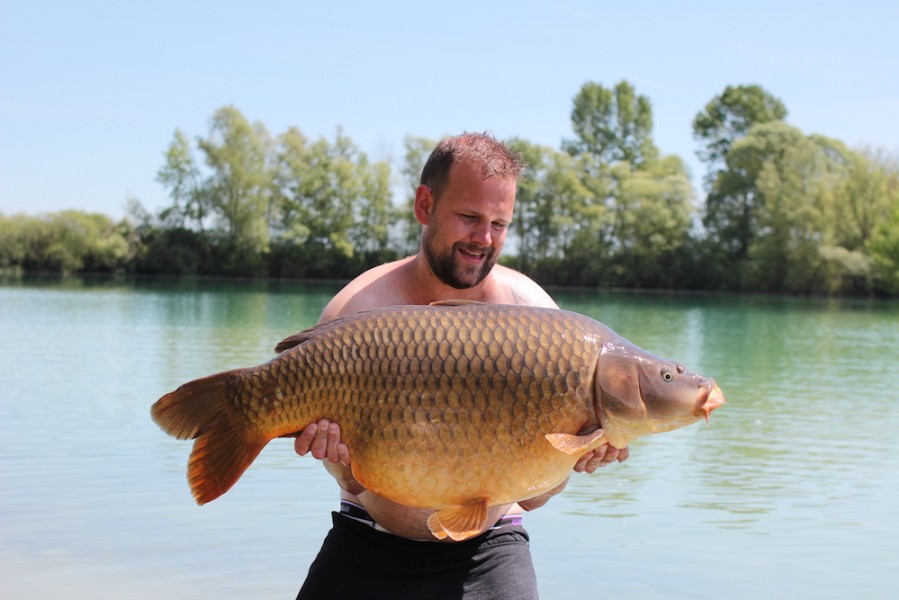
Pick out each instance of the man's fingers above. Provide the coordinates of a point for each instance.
(611, 456)
(333, 441)
(320, 443)
(600, 457)
(589, 461)
(303, 442)
(343, 454)
(323, 440)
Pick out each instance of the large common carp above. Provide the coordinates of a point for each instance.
(454, 406)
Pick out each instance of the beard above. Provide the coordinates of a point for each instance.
(447, 268)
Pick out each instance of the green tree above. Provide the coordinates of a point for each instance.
(794, 212)
(330, 202)
(652, 216)
(375, 213)
(612, 125)
(238, 188)
(732, 206)
(161, 248)
(585, 222)
(884, 251)
(340, 204)
(883, 244)
(552, 205)
(14, 244)
(68, 241)
(869, 192)
(532, 223)
(292, 186)
(729, 117)
(415, 153)
(613, 135)
(796, 185)
(180, 175)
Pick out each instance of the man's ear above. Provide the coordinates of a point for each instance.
(424, 203)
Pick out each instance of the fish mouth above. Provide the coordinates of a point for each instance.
(711, 402)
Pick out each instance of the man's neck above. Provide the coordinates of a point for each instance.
(427, 288)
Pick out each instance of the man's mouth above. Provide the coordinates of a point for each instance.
(477, 255)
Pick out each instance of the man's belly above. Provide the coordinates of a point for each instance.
(412, 523)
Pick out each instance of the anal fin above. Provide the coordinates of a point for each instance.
(459, 523)
(576, 444)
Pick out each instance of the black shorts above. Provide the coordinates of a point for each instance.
(358, 562)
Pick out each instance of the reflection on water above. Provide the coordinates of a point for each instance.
(791, 490)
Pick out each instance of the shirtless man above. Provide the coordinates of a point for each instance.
(381, 549)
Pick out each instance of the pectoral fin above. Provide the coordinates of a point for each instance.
(459, 523)
(575, 444)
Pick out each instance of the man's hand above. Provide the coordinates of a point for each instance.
(600, 457)
(323, 440)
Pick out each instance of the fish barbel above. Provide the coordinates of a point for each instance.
(454, 406)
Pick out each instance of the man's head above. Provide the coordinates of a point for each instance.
(465, 205)
(479, 150)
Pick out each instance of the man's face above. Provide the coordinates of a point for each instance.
(466, 228)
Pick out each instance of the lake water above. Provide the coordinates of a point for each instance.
(792, 491)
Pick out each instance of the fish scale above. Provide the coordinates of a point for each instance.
(454, 408)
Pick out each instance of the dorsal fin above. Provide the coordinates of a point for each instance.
(307, 334)
(294, 340)
(455, 302)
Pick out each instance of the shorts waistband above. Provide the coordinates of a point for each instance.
(358, 513)
(355, 512)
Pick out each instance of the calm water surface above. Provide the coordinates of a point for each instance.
(791, 492)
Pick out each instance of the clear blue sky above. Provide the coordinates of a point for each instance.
(92, 91)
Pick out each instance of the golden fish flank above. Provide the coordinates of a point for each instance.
(450, 407)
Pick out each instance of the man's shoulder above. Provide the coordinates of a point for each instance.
(523, 289)
(377, 273)
(370, 289)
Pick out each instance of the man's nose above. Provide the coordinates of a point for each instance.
(480, 235)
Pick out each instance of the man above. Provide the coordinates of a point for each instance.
(380, 549)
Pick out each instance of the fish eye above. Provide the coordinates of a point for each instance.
(667, 375)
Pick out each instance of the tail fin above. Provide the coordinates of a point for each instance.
(221, 454)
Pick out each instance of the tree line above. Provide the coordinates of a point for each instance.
(783, 211)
